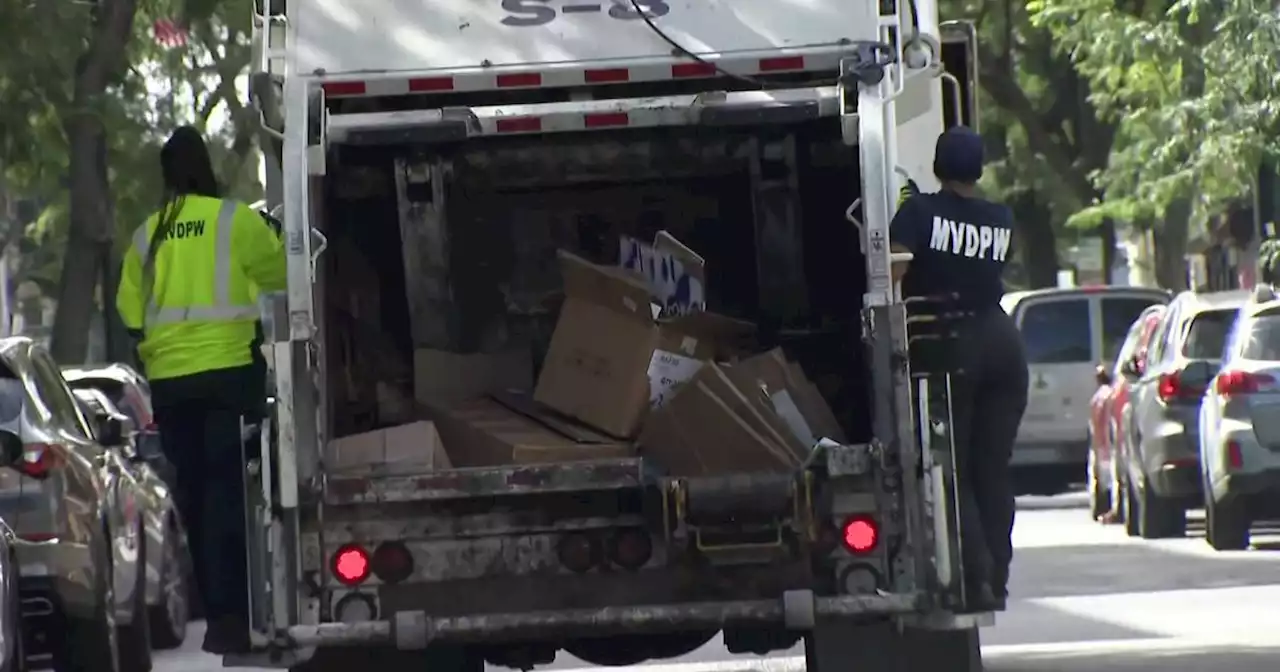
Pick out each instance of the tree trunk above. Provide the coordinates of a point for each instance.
(1171, 246)
(92, 219)
(1037, 242)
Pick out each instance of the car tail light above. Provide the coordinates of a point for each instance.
(1230, 383)
(38, 459)
(1235, 459)
(579, 552)
(861, 534)
(630, 549)
(351, 564)
(392, 562)
(1171, 387)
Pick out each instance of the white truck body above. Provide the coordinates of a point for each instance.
(550, 95)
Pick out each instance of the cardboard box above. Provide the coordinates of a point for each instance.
(601, 359)
(710, 428)
(446, 378)
(790, 402)
(484, 432)
(416, 445)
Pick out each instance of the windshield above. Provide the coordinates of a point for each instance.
(1207, 334)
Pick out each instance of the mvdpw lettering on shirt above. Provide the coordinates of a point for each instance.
(968, 240)
(191, 229)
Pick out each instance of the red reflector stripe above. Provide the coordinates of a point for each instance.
(343, 88)
(606, 76)
(519, 125)
(428, 84)
(782, 63)
(520, 79)
(680, 70)
(606, 119)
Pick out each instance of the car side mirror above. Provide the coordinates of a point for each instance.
(111, 431)
(11, 449)
(1102, 375)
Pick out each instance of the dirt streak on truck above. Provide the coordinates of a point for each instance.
(459, 184)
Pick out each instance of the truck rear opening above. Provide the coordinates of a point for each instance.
(479, 223)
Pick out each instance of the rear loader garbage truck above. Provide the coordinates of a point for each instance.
(590, 342)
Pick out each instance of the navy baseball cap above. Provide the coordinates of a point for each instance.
(958, 155)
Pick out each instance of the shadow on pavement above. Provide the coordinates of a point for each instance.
(1030, 623)
(1234, 659)
(1103, 569)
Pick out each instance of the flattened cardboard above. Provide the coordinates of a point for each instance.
(444, 378)
(709, 428)
(483, 433)
(415, 446)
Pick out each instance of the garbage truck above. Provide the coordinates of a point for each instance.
(590, 344)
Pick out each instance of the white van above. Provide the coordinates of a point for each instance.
(1066, 333)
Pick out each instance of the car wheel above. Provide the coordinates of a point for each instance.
(90, 644)
(168, 619)
(135, 638)
(1099, 496)
(1226, 524)
(1132, 511)
(1160, 518)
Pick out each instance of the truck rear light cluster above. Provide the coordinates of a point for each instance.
(355, 608)
(629, 549)
(391, 562)
(860, 534)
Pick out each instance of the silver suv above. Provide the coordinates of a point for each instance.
(1240, 417)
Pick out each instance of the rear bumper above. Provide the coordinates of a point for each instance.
(1252, 484)
(1176, 481)
(415, 629)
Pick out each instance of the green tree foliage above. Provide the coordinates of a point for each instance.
(84, 118)
(1044, 136)
(1192, 86)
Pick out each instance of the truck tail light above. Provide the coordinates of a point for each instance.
(351, 564)
(861, 535)
(631, 549)
(38, 459)
(392, 562)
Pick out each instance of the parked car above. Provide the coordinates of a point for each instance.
(12, 643)
(1105, 441)
(1162, 419)
(1066, 332)
(129, 391)
(1240, 421)
(77, 506)
(167, 551)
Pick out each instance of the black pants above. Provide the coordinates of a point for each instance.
(199, 418)
(989, 396)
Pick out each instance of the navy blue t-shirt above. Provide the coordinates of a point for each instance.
(960, 245)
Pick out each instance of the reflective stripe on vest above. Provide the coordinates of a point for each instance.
(222, 309)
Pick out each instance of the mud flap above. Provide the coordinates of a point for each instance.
(883, 647)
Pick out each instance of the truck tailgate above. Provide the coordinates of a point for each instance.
(374, 486)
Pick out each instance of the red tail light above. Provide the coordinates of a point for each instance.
(38, 459)
(861, 534)
(1231, 383)
(630, 549)
(392, 562)
(579, 552)
(1169, 387)
(1235, 459)
(351, 564)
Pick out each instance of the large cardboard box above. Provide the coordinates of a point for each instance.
(415, 446)
(444, 378)
(611, 357)
(484, 432)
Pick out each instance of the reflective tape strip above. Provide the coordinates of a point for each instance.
(222, 309)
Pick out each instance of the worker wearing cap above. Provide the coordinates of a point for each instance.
(960, 244)
(188, 292)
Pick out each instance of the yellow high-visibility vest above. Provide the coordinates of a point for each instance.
(197, 308)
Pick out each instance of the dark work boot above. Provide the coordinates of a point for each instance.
(980, 598)
(227, 634)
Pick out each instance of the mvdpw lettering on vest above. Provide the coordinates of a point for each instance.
(191, 229)
(970, 241)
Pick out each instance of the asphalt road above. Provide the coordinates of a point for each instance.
(1085, 599)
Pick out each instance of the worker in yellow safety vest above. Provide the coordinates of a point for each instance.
(188, 293)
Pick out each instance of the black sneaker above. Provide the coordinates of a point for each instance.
(227, 635)
(980, 599)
